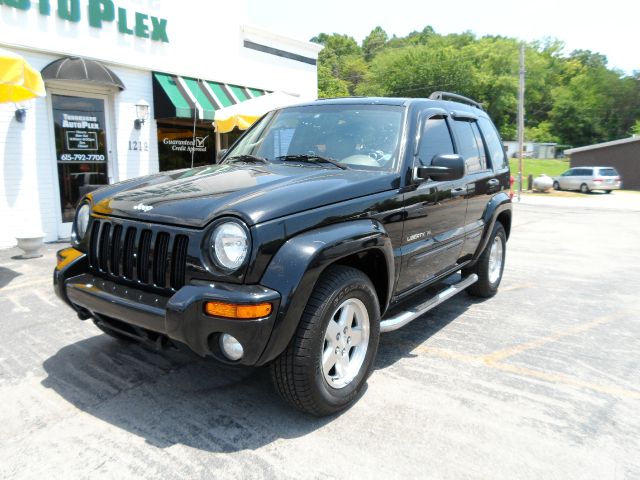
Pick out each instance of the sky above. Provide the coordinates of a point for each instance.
(611, 27)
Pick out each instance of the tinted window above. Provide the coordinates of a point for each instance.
(436, 140)
(470, 145)
(608, 172)
(568, 173)
(494, 145)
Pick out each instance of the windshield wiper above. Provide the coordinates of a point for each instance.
(311, 158)
(246, 159)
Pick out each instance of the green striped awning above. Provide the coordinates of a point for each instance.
(181, 97)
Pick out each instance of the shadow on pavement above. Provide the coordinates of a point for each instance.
(398, 344)
(7, 275)
(174, 397)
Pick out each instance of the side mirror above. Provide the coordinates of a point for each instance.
(221, 153)
(443, 167)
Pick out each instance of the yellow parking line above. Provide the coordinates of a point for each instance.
(539, 342)
(493, 360)
(567, 380)
(25, 285)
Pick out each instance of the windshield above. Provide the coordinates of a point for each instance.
(355, 136)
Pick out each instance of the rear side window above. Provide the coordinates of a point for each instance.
(494, 145)
(435, 140)
(584, 172)
(470, 145)
(608, 172)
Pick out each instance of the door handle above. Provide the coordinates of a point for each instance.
(456, 192)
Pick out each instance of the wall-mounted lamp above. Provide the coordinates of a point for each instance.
(21, 112)
(142, 113)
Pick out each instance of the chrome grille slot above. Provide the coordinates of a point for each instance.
(160, 264)
(179, 261)
(144, 247)
(129, 253)
(103, 248)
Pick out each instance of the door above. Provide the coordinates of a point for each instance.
(81, 132)
(481, 183)
(434, 213)
(565, 179)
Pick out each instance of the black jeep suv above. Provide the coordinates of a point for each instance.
(324, 225)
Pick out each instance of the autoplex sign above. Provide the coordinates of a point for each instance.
(99, 11)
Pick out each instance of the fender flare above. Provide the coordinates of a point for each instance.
(498, 204)
(298, 264)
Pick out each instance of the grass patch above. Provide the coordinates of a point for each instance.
(535, 167)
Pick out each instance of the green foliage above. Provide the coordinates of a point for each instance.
(571, 99)
(374, 42)
(635, 130)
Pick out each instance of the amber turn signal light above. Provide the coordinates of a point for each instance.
(66, 256)
(234, 310)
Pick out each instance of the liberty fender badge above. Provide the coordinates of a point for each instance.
(417, 236)
(143, 207)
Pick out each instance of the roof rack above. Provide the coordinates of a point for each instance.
(455, 97)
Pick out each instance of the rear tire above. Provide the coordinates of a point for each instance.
(607, 191)
(556, 186)
(490, 265)
(584, 188)
(331, 355)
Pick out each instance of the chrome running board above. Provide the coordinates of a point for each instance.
(401, 319)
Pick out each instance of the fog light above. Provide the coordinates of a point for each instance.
(231, 347)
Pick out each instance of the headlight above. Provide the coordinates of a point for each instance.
(228, 245)
(82, 220)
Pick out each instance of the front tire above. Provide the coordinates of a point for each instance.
(490, 265)
(332, 353)
(584, 188)
(556, 186)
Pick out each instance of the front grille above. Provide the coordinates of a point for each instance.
(150, 257)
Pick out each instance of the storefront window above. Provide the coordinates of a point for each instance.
(176, 143)
(81, 150)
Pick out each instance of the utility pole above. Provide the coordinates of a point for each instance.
(520, 119)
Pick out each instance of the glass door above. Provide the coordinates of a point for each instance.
(81, 150)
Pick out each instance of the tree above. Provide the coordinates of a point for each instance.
(373, 43)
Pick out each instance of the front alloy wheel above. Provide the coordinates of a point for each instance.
(345, 343)
(331, 355)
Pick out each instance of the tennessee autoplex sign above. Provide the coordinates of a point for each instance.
(99, 11)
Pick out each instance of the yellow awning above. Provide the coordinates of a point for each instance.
(243, 115)
(19, 81)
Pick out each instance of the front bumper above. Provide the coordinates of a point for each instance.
(179, 316)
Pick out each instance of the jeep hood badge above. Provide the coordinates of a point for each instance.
(143, 207)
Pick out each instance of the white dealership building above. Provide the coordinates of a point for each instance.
(103, 62)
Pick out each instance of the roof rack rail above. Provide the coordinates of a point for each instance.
(456, 97)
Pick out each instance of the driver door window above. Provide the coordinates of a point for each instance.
(435, 140)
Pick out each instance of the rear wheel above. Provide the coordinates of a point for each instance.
(556, 186)
(331, 355)
(490, 265)
(584, 188)
(607, 191)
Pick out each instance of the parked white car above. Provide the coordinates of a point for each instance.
(586, 179)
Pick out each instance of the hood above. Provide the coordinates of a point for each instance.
(256, 194)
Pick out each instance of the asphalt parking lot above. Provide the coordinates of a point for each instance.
(541, 381)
